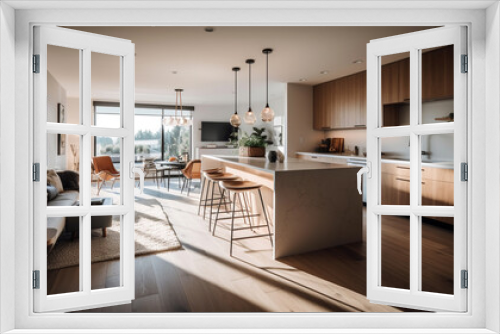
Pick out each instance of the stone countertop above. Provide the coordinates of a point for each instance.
(431, 164)
(290, 164)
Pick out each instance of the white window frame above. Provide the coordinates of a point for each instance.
(475, 320)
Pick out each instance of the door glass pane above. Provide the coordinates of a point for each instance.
(437, 169)
(395, 89)
(106, 250)
(63, 85)
(395, 171)
(106, 76)
(63, 166)
(437, 85)
(437, 254)
(106, 161)
(177, 141)
(63, 254)
(395, 241)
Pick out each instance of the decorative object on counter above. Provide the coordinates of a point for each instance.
(250, 116)
(337, 145)
(272, 156)
(233, 139)
(278, 135)
(253, 145)
(235, 119)
(324, 146)
(267, 114)
(356, 150)
(449, 118)
(281, 156)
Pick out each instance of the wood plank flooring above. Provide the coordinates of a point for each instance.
(202, 277)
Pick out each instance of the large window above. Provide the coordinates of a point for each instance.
(152, 138)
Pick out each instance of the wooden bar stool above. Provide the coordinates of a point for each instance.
(239, 189)
(204, 196)
(212, 181)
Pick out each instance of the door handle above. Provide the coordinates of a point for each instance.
(133, 170)
(364, 170)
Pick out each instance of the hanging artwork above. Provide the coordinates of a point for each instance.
(61, 138)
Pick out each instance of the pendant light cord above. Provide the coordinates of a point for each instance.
(267, 80)
(176, 105)
(250, 86)
(235, 92)
(180, 101)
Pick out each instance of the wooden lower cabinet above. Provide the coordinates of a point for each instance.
(437, 187)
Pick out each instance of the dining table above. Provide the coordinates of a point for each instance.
(170, 166)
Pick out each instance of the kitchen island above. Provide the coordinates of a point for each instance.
(312, 205)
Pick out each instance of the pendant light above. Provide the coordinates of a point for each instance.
(235, 119)
(182, 120)
(267, 114)
(250, 116)
(170, 120)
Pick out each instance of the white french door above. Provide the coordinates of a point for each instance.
(426, 130)
(64, 138)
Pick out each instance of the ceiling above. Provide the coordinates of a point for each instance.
(200, 62)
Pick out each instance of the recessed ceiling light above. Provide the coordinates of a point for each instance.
(174, 72)
(209, 29)
(302, 79)
(358, 61)
(323, 72)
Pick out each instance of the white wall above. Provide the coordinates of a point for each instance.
(8, 167)
(55, 94)
(301, 137)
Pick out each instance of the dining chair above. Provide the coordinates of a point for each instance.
(191, 172)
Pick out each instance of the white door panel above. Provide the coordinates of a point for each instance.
(413, 204)
(49, 130)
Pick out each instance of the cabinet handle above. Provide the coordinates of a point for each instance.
(403, 167)
(313, 157)
(406, 180)
(359, 125)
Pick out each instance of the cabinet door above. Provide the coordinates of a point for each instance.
(404, 80)
(390, 83)
(360, 99)
(437, 74)
(321, 107)
(336, 103)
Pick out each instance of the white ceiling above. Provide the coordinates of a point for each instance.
(203, 61)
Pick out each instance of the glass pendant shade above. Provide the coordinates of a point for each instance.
(250, 117)
(267, 114)
(235, 120)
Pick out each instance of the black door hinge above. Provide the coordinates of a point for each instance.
(465, 279)
(465, 64)
(36, 279)
(464, 171)
(36, 172)
(36, 63)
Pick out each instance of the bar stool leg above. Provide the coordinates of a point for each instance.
(265, 215)
(232, 225)
(202, 187)
(247, 210)
(209, 184)
(223, 198)
(211, 204)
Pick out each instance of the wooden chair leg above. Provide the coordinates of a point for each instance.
(104, 232)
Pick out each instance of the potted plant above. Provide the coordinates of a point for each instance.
(253, 145)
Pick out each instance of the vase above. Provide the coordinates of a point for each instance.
(272, 156)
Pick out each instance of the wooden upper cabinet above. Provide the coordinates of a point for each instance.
(437, 74)
(404, 80)
(321, 107)
(390, 83)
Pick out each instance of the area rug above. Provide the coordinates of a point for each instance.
(153, 234)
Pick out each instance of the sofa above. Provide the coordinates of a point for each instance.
(62, 190)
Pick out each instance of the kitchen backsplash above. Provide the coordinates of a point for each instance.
(437, 147)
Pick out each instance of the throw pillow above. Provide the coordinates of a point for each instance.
(54, 180)
(70, 179)
(51, 192)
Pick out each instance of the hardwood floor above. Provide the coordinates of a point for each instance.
(202, 277)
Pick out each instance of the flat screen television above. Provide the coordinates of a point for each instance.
(216, 131)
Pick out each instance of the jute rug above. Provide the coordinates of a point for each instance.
(153, 233)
